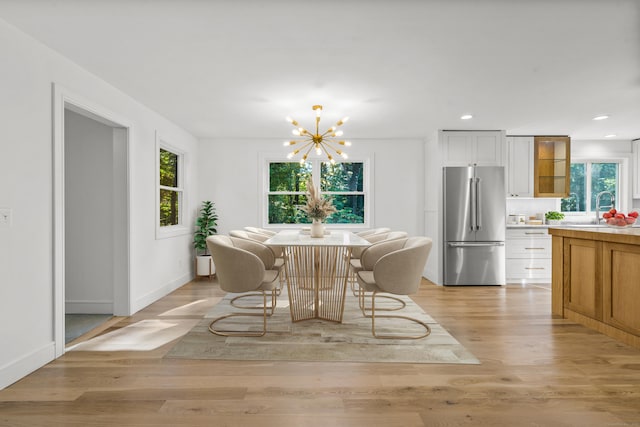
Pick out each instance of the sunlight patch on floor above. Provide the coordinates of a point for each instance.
(145, 335)
(196, 308)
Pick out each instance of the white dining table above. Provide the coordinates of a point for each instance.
(316, 271)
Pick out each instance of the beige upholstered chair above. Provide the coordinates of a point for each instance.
(371, 231)
(257, 237)
(356, 253)
(384, 236)
(244, 266)
(257, 230)
(394, 267)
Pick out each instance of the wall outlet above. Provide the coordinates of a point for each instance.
(5, 218)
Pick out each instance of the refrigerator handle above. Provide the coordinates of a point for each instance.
(472, 204)
(473, 244)
(478, 206)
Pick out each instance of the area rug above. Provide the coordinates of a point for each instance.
(318, 340)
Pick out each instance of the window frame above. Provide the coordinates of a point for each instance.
(166, 231)
(367, 190)
(622, 193)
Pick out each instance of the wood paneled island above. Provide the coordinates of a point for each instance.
(596, 279)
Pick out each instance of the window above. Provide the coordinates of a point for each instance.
(170, 191)
(590, 178)
(345, 183)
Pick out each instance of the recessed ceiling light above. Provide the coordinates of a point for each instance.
(603, 117)
(612, 135)
(466, 117)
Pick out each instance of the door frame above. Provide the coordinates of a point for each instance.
(63, 99)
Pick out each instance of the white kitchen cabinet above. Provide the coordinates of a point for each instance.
(463, 148)
(528, 255)
(636, 168)
(520, 166)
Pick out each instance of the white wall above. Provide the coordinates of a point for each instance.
(229, 176)
(27, 71)
(89, 225)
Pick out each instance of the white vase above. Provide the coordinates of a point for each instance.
(317, 228)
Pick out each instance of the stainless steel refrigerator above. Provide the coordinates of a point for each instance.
(474, 225)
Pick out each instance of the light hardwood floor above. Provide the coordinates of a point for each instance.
(536, 371)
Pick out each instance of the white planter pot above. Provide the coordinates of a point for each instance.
(204, 265)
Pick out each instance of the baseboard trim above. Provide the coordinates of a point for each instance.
(20, 368)
(154, 296)
(88, 307)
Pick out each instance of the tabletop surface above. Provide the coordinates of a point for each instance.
(302, 238)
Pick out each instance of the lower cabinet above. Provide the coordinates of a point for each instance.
(621, 286)
(583, 287)
(596, 281)
(528, 253)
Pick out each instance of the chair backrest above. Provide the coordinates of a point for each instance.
(400, 271)
(261, 231)
(244, 234)
(238, 269)
(371, 231)
(378, 238)
(256, 237)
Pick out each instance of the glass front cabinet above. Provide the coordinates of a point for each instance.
(551, 166)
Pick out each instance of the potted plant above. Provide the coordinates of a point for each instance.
(317, 209)
(554, 217)
(206, 224)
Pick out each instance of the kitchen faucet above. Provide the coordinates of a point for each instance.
(598, 207)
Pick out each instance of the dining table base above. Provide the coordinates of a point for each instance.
(317, 279)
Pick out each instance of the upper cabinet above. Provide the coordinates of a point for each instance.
(463, 148)
(520, 166)
(551, 176)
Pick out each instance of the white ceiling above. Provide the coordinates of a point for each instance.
(399, 69)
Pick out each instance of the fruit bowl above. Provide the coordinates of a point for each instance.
(620, 223)
(617, 219)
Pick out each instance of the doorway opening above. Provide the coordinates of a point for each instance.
(91, 218)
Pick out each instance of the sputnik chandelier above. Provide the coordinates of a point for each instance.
(322, 142)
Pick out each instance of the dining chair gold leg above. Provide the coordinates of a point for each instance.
(230, 333)
(362, 300)
(274, 295)
(398, 337)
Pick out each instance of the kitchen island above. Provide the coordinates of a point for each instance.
(596, 279)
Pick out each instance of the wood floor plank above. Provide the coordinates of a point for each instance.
(536, 369)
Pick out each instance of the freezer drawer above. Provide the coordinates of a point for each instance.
(477, 263)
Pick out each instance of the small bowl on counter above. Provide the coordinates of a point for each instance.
(620, 222)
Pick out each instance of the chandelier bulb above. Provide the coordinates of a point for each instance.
(296, 132)
(339, 133)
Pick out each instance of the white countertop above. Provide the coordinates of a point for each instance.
(302, 238)
(572, 225)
